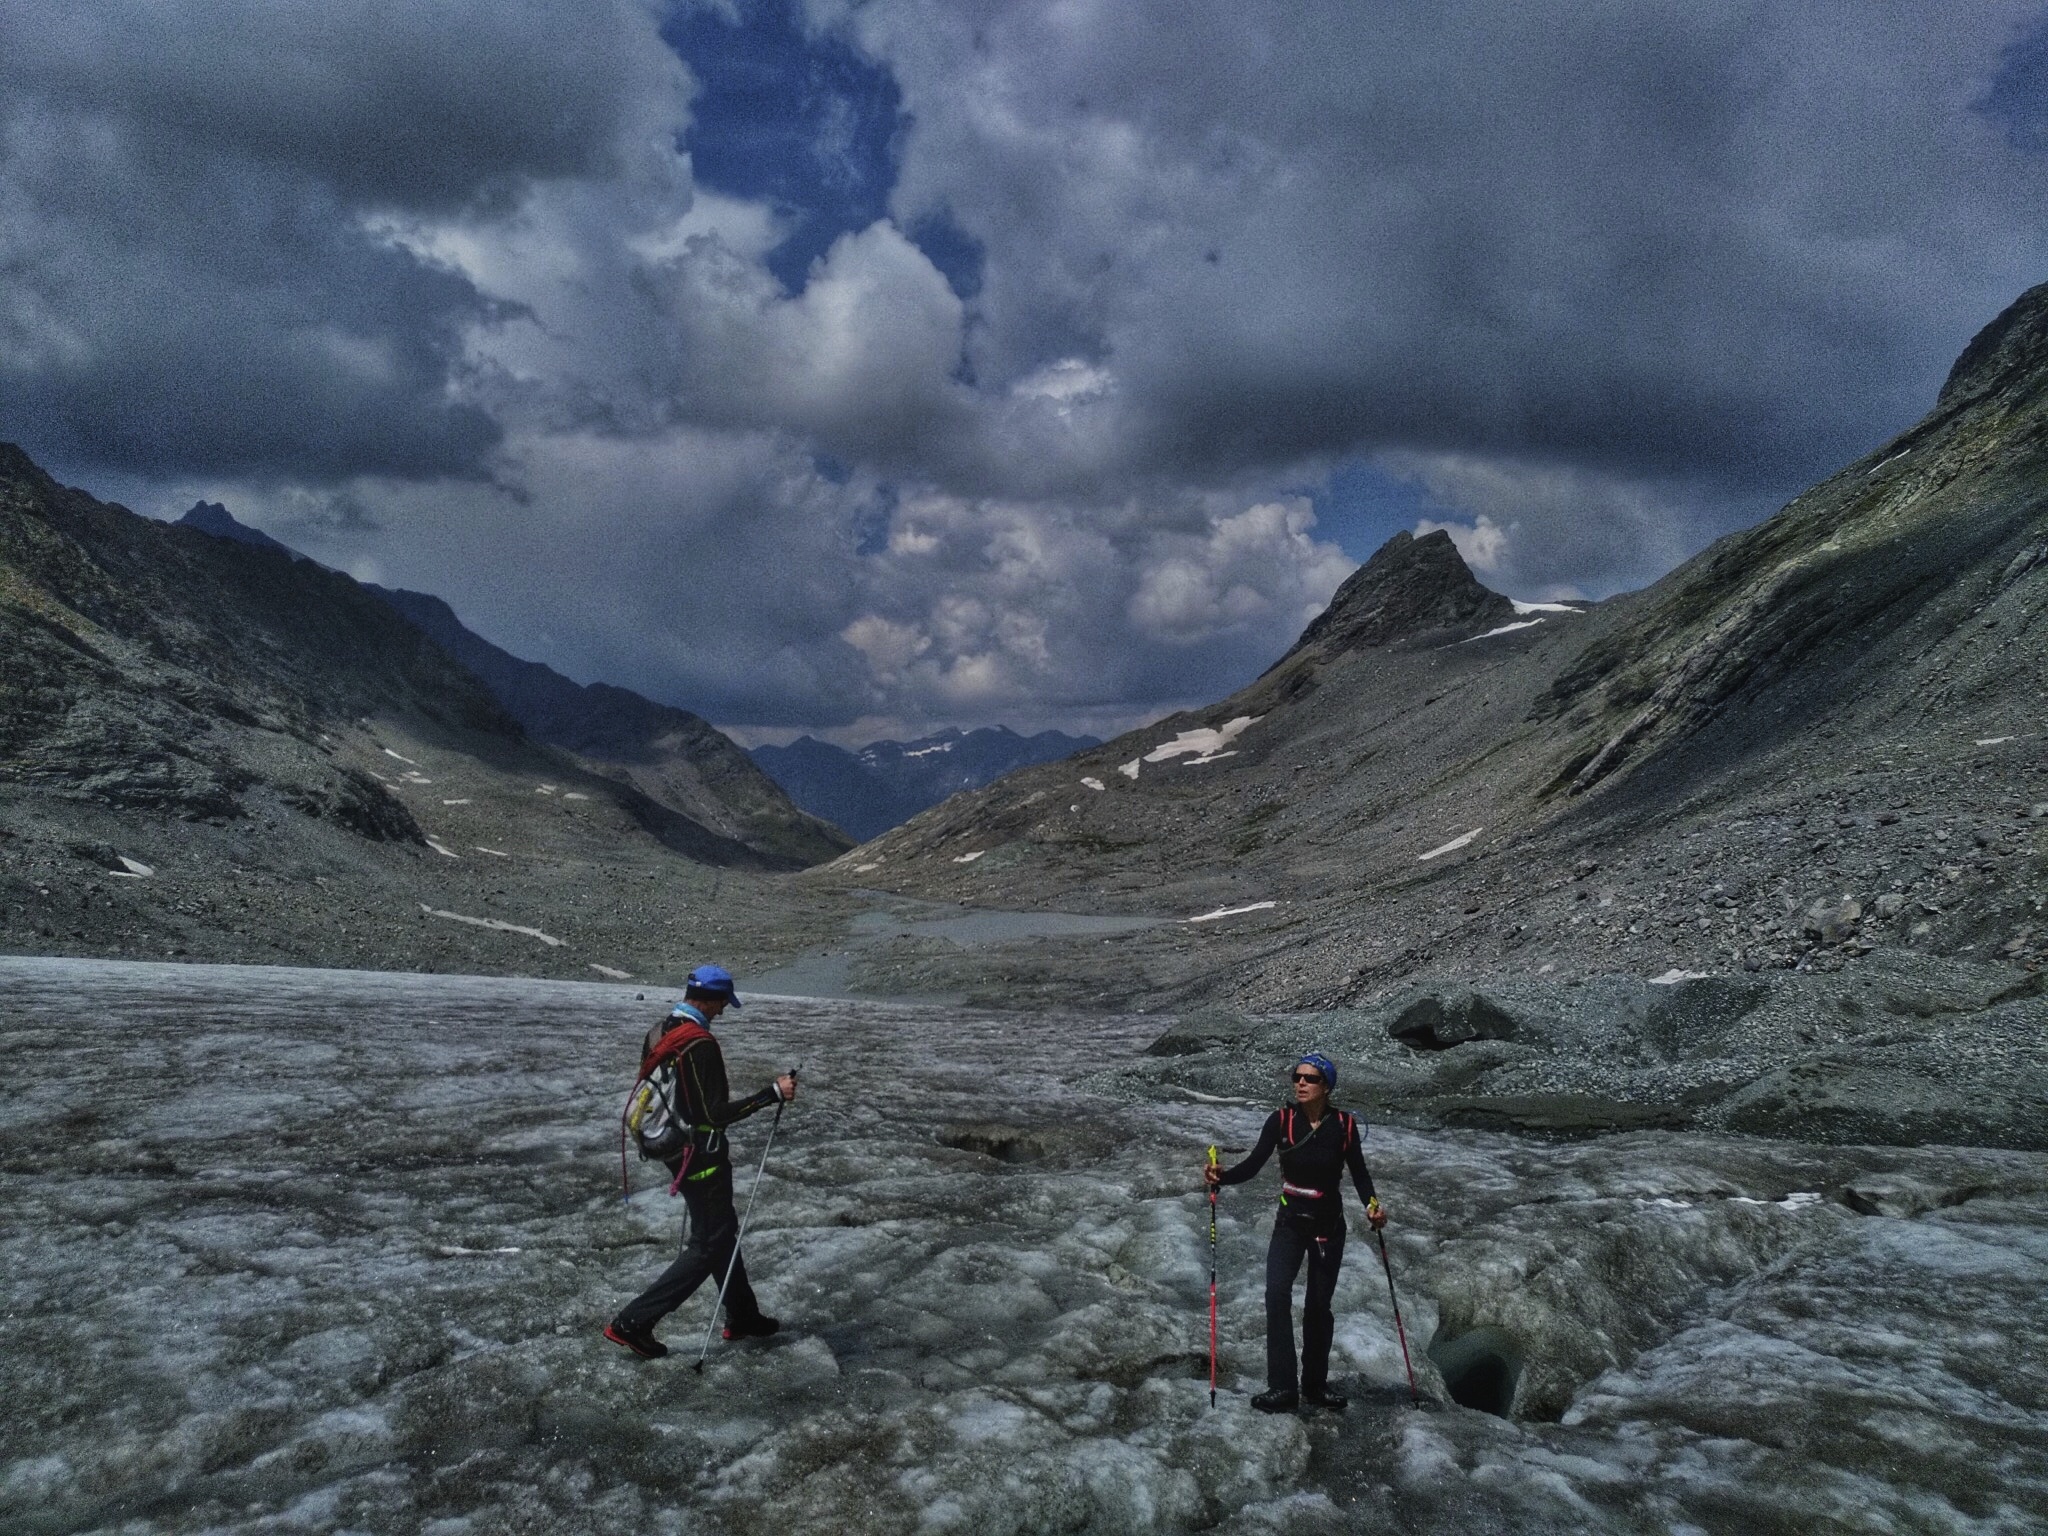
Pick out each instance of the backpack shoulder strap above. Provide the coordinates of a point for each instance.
(670, 1046)
(666, 1049)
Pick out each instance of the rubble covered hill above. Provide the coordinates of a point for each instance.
(209, 749)
(1823, 737)
(676, 758)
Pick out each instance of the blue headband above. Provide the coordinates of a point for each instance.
(1322, 1064)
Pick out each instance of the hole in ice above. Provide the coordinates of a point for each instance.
(1064, 1144)
(1481, 1367)
(1131, 1374)
(1004, 1143)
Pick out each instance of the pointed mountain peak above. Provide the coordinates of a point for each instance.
(1411, 586)
(15, 464)
(2010, 352)
(210, 517)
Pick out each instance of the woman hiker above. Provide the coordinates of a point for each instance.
(1316, 1144)
(680, 1118)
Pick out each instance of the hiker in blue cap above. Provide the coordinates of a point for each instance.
(678, 1115)
(1316, 1144)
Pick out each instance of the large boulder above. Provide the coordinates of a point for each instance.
(1693, 1018)
(1203, 1030)
(1833, 921)
(1432, 1023)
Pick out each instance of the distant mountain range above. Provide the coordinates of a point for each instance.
(682, 760)
(674, 757)
(885, 783)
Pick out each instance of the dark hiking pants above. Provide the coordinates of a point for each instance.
(1325, 1255)
(707, 1249)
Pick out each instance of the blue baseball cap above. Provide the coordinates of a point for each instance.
(1322, 1064)
(715, 979)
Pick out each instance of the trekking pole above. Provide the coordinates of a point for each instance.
(733, 1262)
(1413, 1396)
(1212, 1284)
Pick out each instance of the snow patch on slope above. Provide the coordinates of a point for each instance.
(491, 922)
(1451, 847)
(1203, 744)
(1505, 629)
(1210, 917)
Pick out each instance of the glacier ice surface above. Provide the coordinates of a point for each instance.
(302, 1250)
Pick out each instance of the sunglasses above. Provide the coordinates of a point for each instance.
(1308, 1077)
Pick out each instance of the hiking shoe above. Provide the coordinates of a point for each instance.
(751, 1328)
(1279, 1400)
(1323, 1397)
(642, 1343)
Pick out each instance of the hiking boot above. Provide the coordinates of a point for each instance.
(1279, 1400)
(758, 1327)
(638, 1340)
(1323, 1397)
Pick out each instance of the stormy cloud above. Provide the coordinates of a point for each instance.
(925, 361)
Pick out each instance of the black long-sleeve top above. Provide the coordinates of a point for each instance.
(1312, 1162)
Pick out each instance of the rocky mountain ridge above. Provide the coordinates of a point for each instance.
(1820, 736)
(677, 759)
(211, 517)
(213, 749)
(674, 757)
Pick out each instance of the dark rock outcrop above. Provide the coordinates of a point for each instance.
(1203, 1030)
(1438, 1023)
(1410, 590)
(2011, 353)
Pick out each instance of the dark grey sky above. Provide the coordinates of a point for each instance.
(871, 367)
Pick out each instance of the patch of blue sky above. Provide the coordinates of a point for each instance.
(802, 120)
(2017, 99)
(957, 254)
(1361, 506)
(871, 520)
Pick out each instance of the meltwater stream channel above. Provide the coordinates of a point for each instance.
(289, 1250)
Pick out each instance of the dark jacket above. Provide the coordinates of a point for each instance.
(698, 1095)
(1312, 1164)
